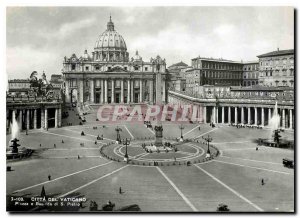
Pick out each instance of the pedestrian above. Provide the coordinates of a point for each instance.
(40, 145)
(62, 141)
(54, 145)
(120, 190)
(78, 157)
(256, 149)
(49, 177)
(262, 182)
(95, 142)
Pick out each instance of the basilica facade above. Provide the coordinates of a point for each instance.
(108, 75)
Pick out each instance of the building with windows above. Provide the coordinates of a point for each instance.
(211, 71)
(250, 73)
(18, 87)
(277, 68)
(108, 75)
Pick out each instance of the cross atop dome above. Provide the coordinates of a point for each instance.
(110, 24)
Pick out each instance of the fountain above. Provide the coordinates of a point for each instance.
(14, 151)
(274, 139)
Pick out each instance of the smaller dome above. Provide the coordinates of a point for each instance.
(137, 57)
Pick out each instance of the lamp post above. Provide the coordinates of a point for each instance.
(126, 142)
(181, 128)
(118, 129)
(208, 139)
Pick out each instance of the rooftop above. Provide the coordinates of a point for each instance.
(179, 64)
(261, 88)
(217, 60)
(277, 53)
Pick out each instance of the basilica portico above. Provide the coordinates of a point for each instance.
(107, 76)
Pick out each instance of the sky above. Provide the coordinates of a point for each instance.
(38, 38)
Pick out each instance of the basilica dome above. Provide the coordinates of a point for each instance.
(110, 38)
(110, 46)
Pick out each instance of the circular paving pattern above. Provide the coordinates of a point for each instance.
(192, 152)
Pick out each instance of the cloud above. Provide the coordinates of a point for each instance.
(21, 61)
(224, 30)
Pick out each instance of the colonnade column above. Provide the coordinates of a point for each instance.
(128, 91)
(105, 91)
(217, 115)
(229, 114)
(214, 115)
(13, 115)
(283, 118)
(122, 91)
(204, 114)
(269, 115)
(92, 91)
(20, 119)
(291, 118)
(46, 118)
(56, 117)
(35, 119)
(242, 115)
(235, 115)
(223, 117)
(249, 115)
(42, 118)
(27, 119)
(112, 91)
(255, 116)
(141, 90)
(102, 92)
(262, 116)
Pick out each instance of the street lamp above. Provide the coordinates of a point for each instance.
(208, 139)
(118, 140)
(181, 128)
(126, 142)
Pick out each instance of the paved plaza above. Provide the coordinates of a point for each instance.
(233, 177)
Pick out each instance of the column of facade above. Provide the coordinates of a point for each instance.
(105, 91)
(242, 115)
(132, 89)
(164, 91)
(42, 118)
(102, 91)
(46, 118)
(81, 91)
(141, 91)
(92, 90)
(283, 118)
(20, 119)
(27, 119)
(291, 118)
(151, 90)
(235, 115)
(249, 115)
(122, 91)
(255, 116)
(262, 116)
(67, 92)
(112, 91)
(13, 118)
(128, 91)
(229, 114)
(204, 114)
(56, 118)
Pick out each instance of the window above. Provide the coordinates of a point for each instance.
(109, 68)
(146, 68)
(136, 68)
(125, 68)
(97, 68)
(87, 68)
(73, 66)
